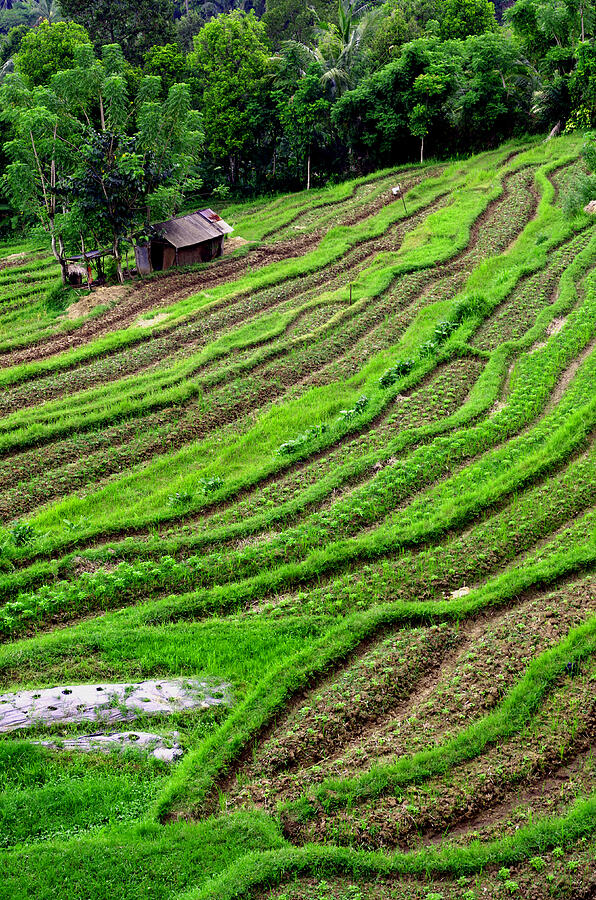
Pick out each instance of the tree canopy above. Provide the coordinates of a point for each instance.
(87, 161)
(135, 24)
(230, 59)
(292, 93)
(49, 49)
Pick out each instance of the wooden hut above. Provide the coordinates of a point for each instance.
(196, 237)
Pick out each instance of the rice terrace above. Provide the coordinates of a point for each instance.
(314, 525)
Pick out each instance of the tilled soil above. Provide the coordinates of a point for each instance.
(388, 702)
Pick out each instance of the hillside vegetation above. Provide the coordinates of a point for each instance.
(348, 470)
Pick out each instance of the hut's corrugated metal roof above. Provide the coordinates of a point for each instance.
(188, 230)
(185, 231)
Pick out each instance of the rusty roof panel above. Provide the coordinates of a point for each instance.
(216, 220)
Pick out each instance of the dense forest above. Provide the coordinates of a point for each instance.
(229, 98)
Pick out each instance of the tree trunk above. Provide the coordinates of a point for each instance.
(58, 254)
(308, 172)
(118, 261)
(86, 261)
(422, 150)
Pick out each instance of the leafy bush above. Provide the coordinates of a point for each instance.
(298, 443)
(396, 372)
(180, 498)
(210, 485)
(359, 406)
(22, 533)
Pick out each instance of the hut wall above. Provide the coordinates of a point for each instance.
(169, 256)
(159, 255)
(189, 255)
(202, 252)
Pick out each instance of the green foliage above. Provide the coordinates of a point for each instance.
(292, 20)
(230, 62)
(436, 89)
(583, 88)
(168, 62)
(304, 118)
(392, 375)
(48, 49)
(10, 43)
(461, 18)
(21, 534)
(135, 24)
(101, 181)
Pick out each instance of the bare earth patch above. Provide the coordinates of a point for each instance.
(148, 323)
(99, 297)
(234, 244)
(555, 326)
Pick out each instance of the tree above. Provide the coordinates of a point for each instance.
(546, 25)
(134, 24)
(295, 20)
(305, 120)
(583, 83)
(461, 18)
(44, 10)
(49, 49)
(549, 32)
(494, 94)
(393, 30)
(408, 98)
(14, 14)
(167, 61)
(341, 51)
(86, 163)
(10, 45)
(419, 121)
(230, 61)
(187, 27)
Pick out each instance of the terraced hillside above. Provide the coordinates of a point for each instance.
(344, 478)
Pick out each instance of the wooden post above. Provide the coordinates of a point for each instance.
(86, 261)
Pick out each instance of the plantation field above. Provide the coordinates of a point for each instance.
(346, 477)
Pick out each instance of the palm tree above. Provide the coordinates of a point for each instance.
(339, 47)
(44, 9)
